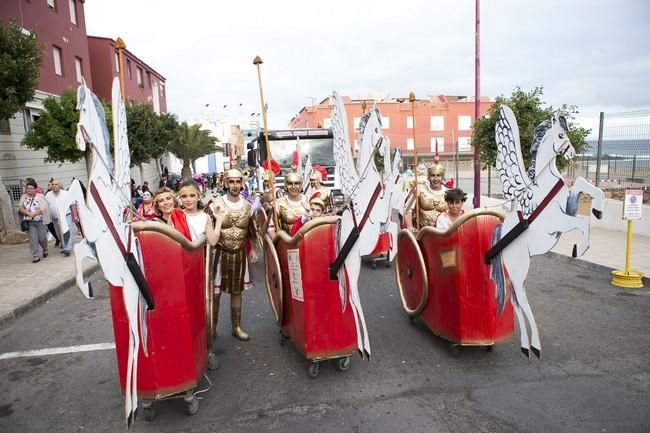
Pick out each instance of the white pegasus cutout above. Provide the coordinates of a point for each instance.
(543, 208)
(369, 198)
(103, 213)
(304, 173)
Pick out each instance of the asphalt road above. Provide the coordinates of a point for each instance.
(594, 374)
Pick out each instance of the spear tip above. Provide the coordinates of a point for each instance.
(119, 44)
(411, 97)
(257, 60)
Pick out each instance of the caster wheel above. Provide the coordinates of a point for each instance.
(149, 413)
(374, 265)
(313, 370)
(489, 348)
(214, 362)
(192, 406)
(283, 339)
(454, 349)
(412, 320)
(387, 263)
(343, 364)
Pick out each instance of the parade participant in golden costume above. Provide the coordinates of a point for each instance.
(292, 206)
(431, 199)
(316, 178)
(234, 223)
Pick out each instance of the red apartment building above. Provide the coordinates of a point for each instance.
(141, 82)
(68, 54)
(446, 120)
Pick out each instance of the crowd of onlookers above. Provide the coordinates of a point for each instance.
(38, 210)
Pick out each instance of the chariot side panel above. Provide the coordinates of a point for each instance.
(313, 316)
(176, 334)
(461, 305)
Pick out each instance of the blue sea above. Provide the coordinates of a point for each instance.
(623, 152)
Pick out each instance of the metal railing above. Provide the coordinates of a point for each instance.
(620, 158)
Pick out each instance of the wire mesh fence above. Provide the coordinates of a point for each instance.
(620, 158)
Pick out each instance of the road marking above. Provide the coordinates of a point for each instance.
(58, 350)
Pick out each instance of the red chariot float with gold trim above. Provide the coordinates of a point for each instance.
(442, 278)
(306, 302)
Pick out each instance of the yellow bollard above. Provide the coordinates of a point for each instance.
(625, 277)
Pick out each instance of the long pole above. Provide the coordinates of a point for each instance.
(120, 46)
(477, 107)
(415, 162)
(257, 61)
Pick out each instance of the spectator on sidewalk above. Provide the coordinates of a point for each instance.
(50, 226)
(53, 198)
(34, 209)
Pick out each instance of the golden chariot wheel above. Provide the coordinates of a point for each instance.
(411, 272)
(273, 278)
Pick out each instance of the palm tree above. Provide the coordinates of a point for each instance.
(191, 144)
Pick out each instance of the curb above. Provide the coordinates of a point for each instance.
(591, 265)
(17, 312)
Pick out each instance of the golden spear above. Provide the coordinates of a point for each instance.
(257, 61)
(415, 162)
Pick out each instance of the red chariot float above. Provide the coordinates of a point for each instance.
(442, 277)
(179, 328)
(306, 303)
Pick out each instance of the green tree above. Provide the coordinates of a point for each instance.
(167, 133)
(191, 144)
(56, 129)
(530, 111)
(142, 125)
(20, 59)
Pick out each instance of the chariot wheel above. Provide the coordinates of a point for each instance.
(192, 406)
(343, 364)
(149, 411)
(209, 296)
(313, 369)
(411, 271)
(273, 278)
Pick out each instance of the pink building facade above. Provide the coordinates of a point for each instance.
(443, 120)
(142, 83)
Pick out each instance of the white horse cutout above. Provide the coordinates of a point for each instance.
(369, 207)
(103, 214)
(543, 208)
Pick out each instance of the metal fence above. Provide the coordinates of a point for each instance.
(620, 158)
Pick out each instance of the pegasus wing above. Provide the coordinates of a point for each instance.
(509, 162)
(122, 156)
(306, 173)
(347, 173)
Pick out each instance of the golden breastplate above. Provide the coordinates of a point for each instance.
(234, 227)
(432, 203)
(289, 213)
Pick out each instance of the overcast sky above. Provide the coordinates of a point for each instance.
(591, 53)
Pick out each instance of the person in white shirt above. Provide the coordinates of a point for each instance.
(199, 222)
(455, 199)
(53, 198)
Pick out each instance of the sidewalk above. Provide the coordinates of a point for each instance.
(24, 285)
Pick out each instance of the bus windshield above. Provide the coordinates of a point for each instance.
(320, 150)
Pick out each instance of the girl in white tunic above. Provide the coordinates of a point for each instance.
(199, 222)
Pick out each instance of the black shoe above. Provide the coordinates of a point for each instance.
(66, 253)
(44, 253)
(36, 260)
(56, 244)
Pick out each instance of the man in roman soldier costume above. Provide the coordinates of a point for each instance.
(431, 198)
(234, 223)
(316, 178)
(292, 206)
(268, 190)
